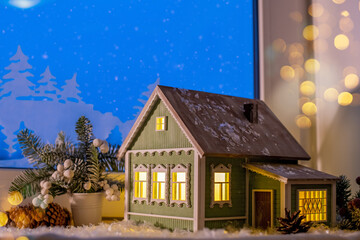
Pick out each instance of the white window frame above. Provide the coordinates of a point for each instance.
(219, 168)
(142, 168)
(186, 169)
(160, 168)
(165, 123)
(315, 189)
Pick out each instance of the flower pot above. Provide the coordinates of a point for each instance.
(86, 208)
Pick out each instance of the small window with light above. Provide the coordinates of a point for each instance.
(141, 179)
(161, 123)
(180, 185)
(158, 190)
(312, 204)
(220, 185)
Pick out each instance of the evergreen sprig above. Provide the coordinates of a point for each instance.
(343, 191)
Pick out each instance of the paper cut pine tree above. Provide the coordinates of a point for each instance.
(70, 91)
(18, 86)
(47, 85)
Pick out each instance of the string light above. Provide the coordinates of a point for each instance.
(341, 42)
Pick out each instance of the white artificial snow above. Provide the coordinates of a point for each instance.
(130, 230)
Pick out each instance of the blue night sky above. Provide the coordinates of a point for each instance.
(119, 48)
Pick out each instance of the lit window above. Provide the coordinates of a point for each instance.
(158, 191)
(140, 184)
(160, 123)
(312, 204)
(221, 186)
(179, 186)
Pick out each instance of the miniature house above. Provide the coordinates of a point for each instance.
(196, 159)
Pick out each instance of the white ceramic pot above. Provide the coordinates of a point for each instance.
(86, 208)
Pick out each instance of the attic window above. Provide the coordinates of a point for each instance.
(161, 123)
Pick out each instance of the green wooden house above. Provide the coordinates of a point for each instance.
(196, 159)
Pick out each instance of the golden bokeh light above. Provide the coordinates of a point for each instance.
(338, 1)
(303, 121)
(279, 45)
(345, 13)
(345, 98)
(287, 73)
(346, 24)
(320, 45)
(296, 58)
(341, 42)
(324, 30)
(309, 109)
(348, 70)
(315, 10)
(22, 238)
(296, 16)
(3, 219)
(312, 66)
(307, 88)
(311, 32)
(351, 81)
(331, 95)
(296, 47)
(15, 198)
(299, 71)
(303, 100)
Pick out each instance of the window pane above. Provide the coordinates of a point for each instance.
(220, 177)
(312, 204)
(182, 191)
(181, 177)
(162, 191)
(143, 189)
(160, 177)
(142, 176)
(217, 192)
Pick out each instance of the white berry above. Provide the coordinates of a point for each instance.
(109, 191)
(115, 187)
(68, 163)
(43, 205)
(97, 142)
(60, 168)
(87, 185)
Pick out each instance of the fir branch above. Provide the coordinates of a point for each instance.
(31, 146)
(93, 168)
(28, 182)
(84, 130)
(110, 161)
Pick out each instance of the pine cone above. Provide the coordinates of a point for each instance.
(22, 217)
(55, 215)
(293, 224)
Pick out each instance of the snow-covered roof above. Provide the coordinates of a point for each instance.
(284, 172)
(217, 126)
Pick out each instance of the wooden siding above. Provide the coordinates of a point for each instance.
(149, 138)
(165, 222)
(295, 201)
(238, 189)
(225, 223)
(156, 208)
(257, 181)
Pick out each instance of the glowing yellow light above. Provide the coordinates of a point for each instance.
(346, 24)
(307, 88)
(312, 205)
(296, 47)
(158, 185)
(303, 121)
(3, 219)
(309, 108)
(345, 98)
(160, 123)
(15, 198)
(341, 42)
(345, 13)
(331, 95)
(296, 16)
(299, 71)
(312, 65)
(324, 30)
(338, 1)
(310, 32)
(140, 184)
(315, 10)
(179, 186)
(296, 58)
(221, 186)
(351, 81)
(22, 238)
(348, 70)
(279, 45)
(287, 73)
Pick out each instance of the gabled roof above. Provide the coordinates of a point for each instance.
(216, 125)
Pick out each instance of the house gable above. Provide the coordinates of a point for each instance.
(148, 138)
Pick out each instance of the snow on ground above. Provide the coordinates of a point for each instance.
(130, 230)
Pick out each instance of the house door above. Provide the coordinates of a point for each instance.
(262, 208)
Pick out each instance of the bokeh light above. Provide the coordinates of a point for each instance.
(309, 109)
(279, 45)
(331, 95)
(303, 121)
(338, 1)
(351, 81)
(348, 70)
(315, 10)
(296, 16)
(311, 32)
(296, 58)
(345, 98)
(345, 13)
(341, 42)
(346, 25)
(22, 238)
(312, 66)
(296, 47)
(307, 88)
(299, 71)
(287, 73)
(15, 198)
(3, 219)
